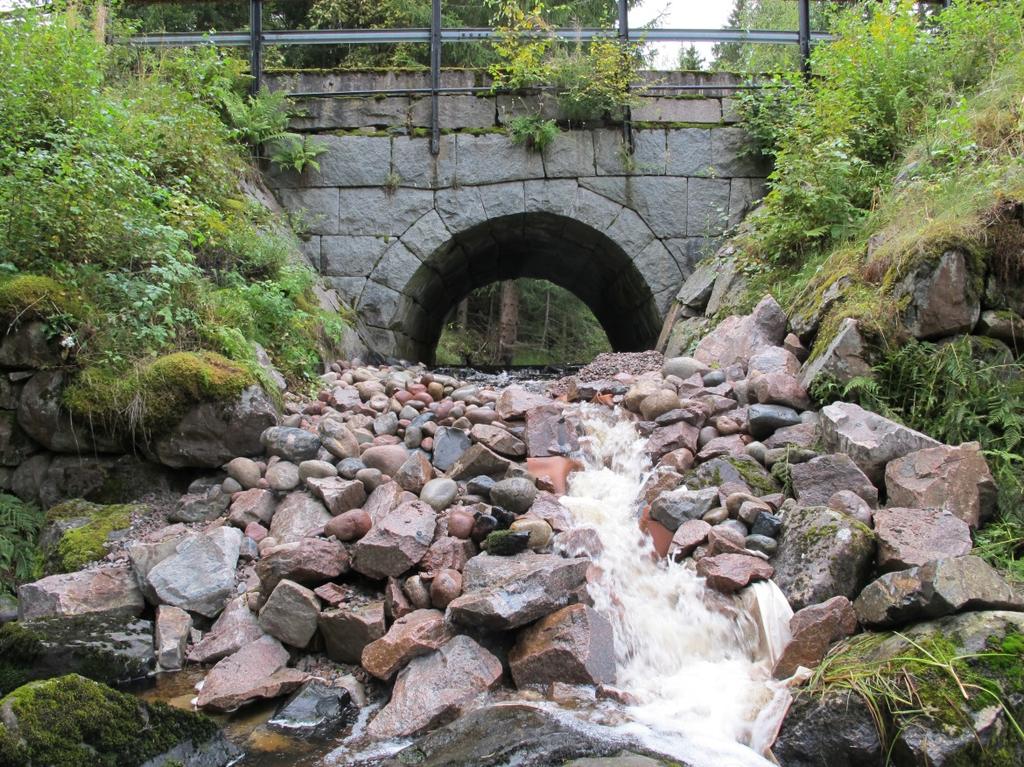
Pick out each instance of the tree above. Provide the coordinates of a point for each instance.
(767, 15)
(690, 59)
(508, 322)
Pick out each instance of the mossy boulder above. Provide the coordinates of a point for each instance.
(156, 395)
(187, 409)
(822, 554)
(77, 532)
(106, 649)
(735, 470)
(43, 416)
(72, 721)
(945, 693)
(31, 296)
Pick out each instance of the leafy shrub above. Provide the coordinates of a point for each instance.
(590, 80)
(522, 46)
(533, 131)
(594, 80)
(122, 185)
(836, 139)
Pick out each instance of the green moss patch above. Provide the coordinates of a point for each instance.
(759, 482)
(155, 395)
(28, 296)
(74, 722)
(82, 544)
(930, 682)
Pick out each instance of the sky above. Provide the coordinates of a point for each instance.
(681, 14)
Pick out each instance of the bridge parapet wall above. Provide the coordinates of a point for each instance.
(708, 100)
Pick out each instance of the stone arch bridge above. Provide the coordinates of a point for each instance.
(404, 235)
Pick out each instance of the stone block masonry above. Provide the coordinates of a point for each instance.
(403, 235)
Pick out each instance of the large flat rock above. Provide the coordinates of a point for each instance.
(941, 587)
(507, 592)
(256, 672)
(869, 439)
(103, 591)
(430, 690)
(200, 575)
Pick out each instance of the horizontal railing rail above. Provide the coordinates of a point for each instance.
(463, 35)
(256, 38)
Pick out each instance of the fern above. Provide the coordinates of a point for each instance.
(296, 152)
(533, 131)
(20, 559)
(257, 119)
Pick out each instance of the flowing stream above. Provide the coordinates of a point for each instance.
(698, 663)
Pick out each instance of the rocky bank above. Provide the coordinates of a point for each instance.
(394, 550)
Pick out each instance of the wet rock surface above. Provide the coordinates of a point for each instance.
(821, 554)
(508, 592)
(429, 691)
(256, 671)
(408, 527)
(482, 737)
(574, 645)
(940, 587)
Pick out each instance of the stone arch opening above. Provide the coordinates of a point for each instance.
(538, 245)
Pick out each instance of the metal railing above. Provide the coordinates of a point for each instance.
(436, 36)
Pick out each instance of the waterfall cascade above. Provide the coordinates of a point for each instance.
(697, 663)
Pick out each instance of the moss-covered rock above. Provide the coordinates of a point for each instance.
(948, 692)
(156, 395)
(822, 554)
(733, 470)
(72, 721)
(506, 543)
(78, 532)
(20, 648)
(28, 296)
(106, 649)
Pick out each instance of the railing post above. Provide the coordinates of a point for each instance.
(256, 44)
(804, 33)
(435, 76)
(627, 118)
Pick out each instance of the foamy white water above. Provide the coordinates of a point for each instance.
(698, 663)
